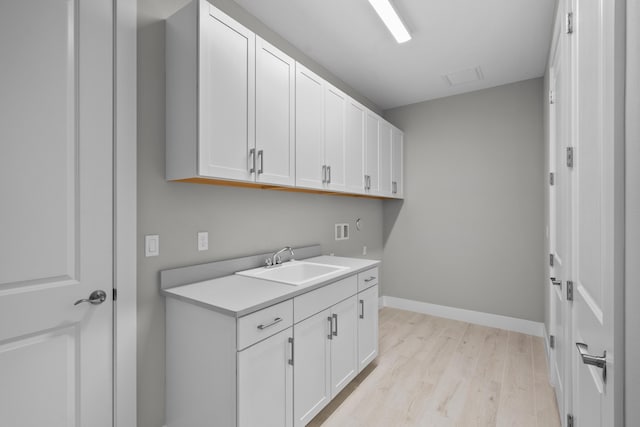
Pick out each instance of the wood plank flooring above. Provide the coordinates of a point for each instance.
(438, 372)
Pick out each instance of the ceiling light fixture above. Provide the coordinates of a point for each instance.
(391, 19)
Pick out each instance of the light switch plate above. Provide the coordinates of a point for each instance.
(342, 232)
(152, 245)
(203, 240)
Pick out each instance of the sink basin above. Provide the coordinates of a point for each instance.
(294, 272)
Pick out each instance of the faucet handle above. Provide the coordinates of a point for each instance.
(278, 260)
(267, 262)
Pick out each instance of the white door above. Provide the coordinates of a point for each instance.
(355, 119)
(56, 217)
(226, 96)
(335, 103)
(397, 151)
(275, 126)
(344, 344)
(384, 159)
(596, 215)
(371, 153)
(265, 382)
(560, 226)
(311, 367)
(310, 166)
(367, 326)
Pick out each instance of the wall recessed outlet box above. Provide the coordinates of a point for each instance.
(342, 231)
(152, 245)
(203, 240)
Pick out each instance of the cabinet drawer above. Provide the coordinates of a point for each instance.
(312, 302)
(367, 279)
(264, 323)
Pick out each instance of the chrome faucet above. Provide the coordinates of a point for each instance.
(275, 258)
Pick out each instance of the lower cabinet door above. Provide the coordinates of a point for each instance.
(344, 347)
(311, 366)
(367, 326)
(265, 382)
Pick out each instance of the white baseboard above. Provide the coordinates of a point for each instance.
(485, 319)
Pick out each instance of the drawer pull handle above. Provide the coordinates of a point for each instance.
(276, 320)
(370, 279)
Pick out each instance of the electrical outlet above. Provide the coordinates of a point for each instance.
(342, 232)
(151, 245)
(203, 241)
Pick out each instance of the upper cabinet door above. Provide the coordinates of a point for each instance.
(384, 158)
(310, 168)
(371, 153)
(397, 149)
(275, 127)
(226, 96)
(335, 103)
(355, 120)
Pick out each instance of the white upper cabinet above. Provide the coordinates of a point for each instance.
(310, 170)
(371, 153)
(227, 96)
(320, 133)
(238, 109)
(384, 158)
(335, 103)
(397, 163)
(355, 120)
(275, 126)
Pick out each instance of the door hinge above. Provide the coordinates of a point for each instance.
(551, 260)
(552, 341)
(568, 29)
(570, 422)
(551, 178)
(551, 100)
(569, 290)
(570, 157)
(115, 294)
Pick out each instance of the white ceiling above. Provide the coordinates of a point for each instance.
(507, 39)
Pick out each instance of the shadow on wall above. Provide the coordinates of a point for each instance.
(390, 213)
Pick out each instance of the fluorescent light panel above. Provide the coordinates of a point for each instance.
(390, 17)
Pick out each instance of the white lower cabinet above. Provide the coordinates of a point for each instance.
(265, 382)
(276, 367)
(367, 326)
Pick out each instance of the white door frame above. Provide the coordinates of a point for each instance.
(125, 213)
(632, 276)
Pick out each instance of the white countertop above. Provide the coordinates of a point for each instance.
(238, 296)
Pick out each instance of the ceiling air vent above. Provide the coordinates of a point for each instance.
(464, 76)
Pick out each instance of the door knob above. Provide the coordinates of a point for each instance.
(96, 297)
(589, 359)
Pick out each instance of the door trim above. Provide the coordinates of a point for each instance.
(124, 212)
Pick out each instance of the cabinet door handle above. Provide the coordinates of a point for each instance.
(329, 174)
(324, 174)
(291, 360)
(362, 308)
(276, 320)
(370, 279)
(252, 154)
(330, 319)
(335, 332)
(394, 186)
(261, 156)
(555, 282)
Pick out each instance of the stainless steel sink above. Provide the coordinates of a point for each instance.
(294, 272)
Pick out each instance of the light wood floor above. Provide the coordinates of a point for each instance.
(438, 372)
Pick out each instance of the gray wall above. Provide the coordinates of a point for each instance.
(470, 232)
(239, 221)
